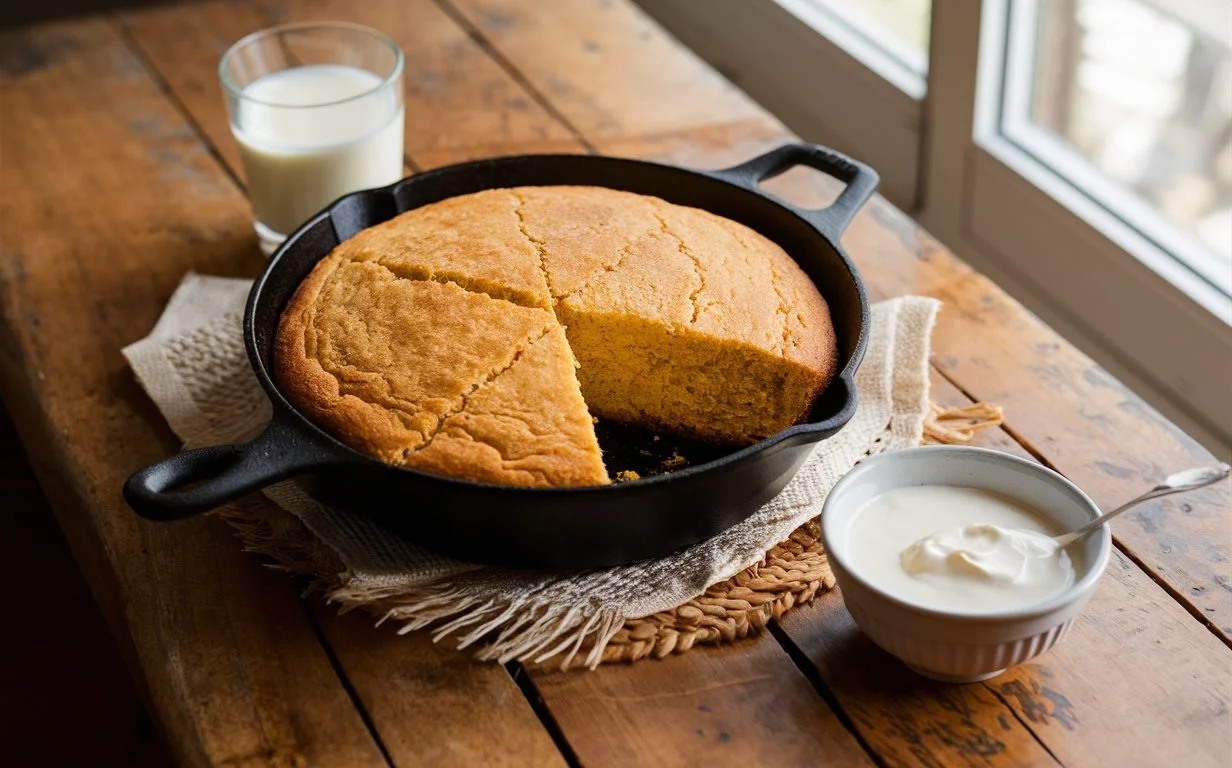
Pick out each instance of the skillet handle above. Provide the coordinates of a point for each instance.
(861, 180)
(222, 473)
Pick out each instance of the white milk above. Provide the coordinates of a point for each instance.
(300, 158)
(958, 549)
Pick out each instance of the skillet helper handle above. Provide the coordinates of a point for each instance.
(861, 180)
(221, 473)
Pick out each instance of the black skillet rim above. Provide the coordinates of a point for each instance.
(846, 376)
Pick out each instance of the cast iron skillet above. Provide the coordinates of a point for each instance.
(557, 528)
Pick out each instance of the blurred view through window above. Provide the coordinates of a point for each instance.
(899, 26)
(1139, 89)
(1142, 89)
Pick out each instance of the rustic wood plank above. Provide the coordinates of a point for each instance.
(233, 670)
(182, 45)
(434, 705)
(705, 147)
(457, 98)
(736, 705)
(1079, 704)
(228, 664)
(946, 395)
(1159, 693)
(904, 718)
(606, 67)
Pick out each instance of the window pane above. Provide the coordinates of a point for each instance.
(899, 25)
(1142, 89)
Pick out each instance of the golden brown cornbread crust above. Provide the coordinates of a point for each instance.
(437, 340)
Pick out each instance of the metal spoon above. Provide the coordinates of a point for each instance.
(1188, 480)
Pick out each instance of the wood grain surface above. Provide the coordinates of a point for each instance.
(120, 174)
(605, 67)
(709, 706)
(432, 705)
(238, 676)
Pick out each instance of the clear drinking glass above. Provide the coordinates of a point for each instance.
(316, 109)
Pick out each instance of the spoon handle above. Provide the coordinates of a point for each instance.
(1178, 483)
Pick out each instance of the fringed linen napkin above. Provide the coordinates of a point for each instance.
(194, 367)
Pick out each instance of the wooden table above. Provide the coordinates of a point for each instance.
(119, 175)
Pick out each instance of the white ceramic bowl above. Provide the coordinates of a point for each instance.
(949, 645)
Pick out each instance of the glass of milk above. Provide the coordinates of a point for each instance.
(317, 111)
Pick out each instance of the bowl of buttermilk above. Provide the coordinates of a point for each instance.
(945, 557)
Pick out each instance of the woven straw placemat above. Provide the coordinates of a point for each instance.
(792, 573)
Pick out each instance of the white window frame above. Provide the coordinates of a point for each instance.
(905, 70)
(1112, 290)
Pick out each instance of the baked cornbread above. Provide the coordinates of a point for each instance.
(445, 339)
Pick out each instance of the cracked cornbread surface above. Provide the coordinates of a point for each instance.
(460, 338)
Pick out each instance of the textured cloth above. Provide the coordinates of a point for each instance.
(194, 367)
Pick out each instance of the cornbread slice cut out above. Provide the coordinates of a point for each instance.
(527, 426)
(445, 339)
(381, 361)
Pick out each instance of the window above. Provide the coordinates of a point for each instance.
(898, 26)
(1079, 152)
(1133, 105)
